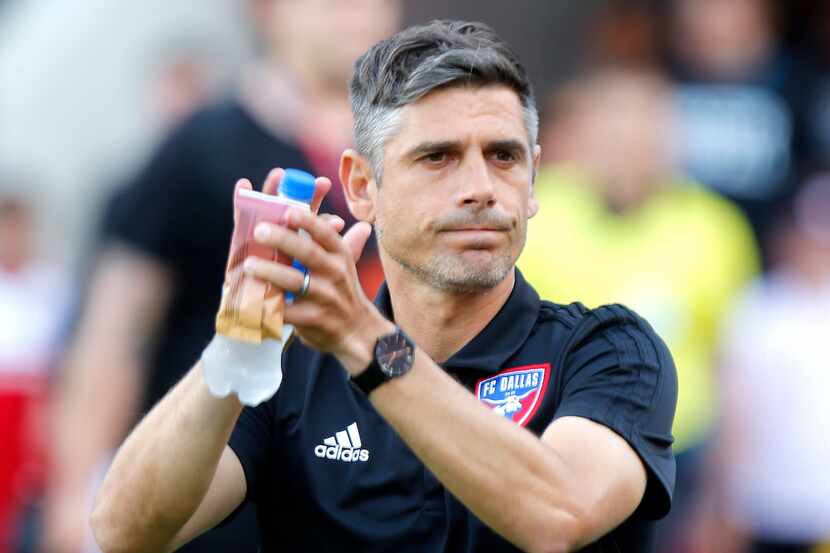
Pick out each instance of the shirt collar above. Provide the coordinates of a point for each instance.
(503, 336)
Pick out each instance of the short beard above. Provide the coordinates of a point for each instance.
(451, 275)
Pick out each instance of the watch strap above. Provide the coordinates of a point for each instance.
(370, 378)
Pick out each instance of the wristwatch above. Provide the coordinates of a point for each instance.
(393, 357)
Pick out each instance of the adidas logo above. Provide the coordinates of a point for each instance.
(343, 446)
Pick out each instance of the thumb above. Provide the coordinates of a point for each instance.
(272, 181)
(356, 237)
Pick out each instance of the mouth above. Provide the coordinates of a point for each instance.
(475, 229)
(476, 238)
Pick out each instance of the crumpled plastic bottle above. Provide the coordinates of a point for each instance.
(252, 371)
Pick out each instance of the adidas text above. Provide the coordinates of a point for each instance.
(337, 453)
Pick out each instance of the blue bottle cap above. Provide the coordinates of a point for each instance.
(297, 185)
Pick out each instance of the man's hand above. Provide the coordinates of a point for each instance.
(334, 316)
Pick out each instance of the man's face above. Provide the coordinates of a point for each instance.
(327, 35)
(720, 37)
(456, 192)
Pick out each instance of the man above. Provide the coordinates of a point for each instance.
(767, 434)
(152, 295)
(33, 296)
(736, 105)
(374, 441)
(609, 192)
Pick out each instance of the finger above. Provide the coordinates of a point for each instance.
(280, 275)
(316, 227)
(356, 238)
(241, 184)
(322, 185)
(337, 223)
(272, 181)
(291, 244)
(302, 313)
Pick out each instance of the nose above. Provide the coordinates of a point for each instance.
(476, 189)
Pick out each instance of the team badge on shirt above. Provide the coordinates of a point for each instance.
(515, 393)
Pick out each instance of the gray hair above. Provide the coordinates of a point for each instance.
(416, 61)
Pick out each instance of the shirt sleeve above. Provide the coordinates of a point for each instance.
(150, 213)
(251, 441)
(620, 374)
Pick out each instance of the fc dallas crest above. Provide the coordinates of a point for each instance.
(515, 393)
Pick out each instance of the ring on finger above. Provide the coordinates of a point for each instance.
(306, 284)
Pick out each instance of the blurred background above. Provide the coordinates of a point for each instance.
(686, 173)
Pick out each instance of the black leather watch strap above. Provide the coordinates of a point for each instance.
(370, 378)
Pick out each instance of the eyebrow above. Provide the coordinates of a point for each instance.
(429, 147)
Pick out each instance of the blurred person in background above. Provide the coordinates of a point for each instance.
(151, 300)
(735, 101)
(625, 33)
(33, 294)
(182, 81)
(812, 43)
(617, 224)
(769, 487)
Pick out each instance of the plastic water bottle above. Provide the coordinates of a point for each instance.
(254, 371)
(297, 188)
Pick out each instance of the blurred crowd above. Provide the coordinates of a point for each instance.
(685, 173)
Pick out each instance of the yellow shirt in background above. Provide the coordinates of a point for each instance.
(678, 260)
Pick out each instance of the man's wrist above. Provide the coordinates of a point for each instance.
(358, 349)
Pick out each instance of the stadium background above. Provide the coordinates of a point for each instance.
(642, 102)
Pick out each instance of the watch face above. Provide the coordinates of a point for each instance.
(394, 354)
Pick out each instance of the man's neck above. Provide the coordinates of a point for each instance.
(317, 88)
(442, 322)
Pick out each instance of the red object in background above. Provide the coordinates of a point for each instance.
(371, 275)
(22, 452)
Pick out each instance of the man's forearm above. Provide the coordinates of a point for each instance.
(502, 473)
(162, 472)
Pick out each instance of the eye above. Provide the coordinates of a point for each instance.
(435, 157)
(504, 156)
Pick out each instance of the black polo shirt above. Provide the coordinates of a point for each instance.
(327, 473)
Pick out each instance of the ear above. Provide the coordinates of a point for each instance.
(359, 185)
(532, 204)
